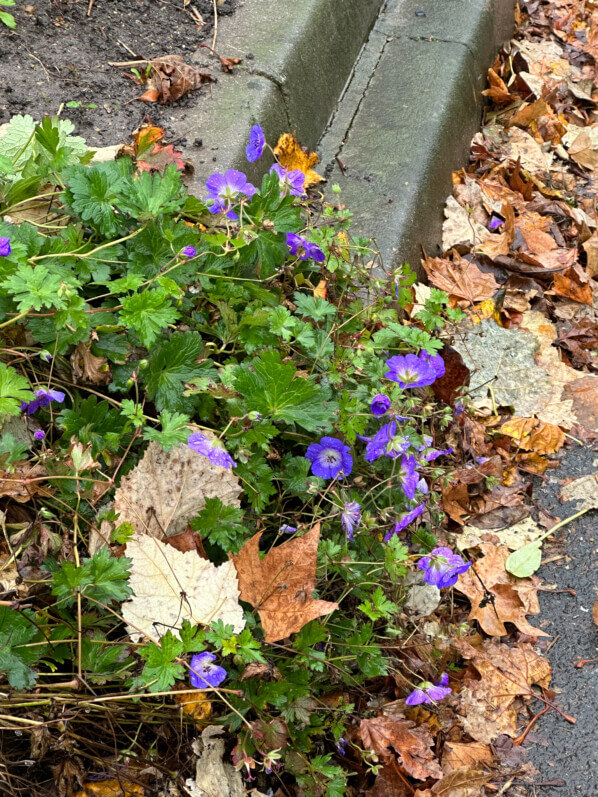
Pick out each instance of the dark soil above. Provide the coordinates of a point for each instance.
(57, 54)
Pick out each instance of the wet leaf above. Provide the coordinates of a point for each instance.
(462, 279)
(281, 584)
(464, 754)
(148, 151)
(534, 435)
(450, 386)
(462, 782)
(390, 736)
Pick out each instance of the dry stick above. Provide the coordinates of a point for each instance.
(89, 7)
(215, 3)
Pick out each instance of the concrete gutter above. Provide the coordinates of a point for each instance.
(409, 75)
(297, 56)
(407, 118)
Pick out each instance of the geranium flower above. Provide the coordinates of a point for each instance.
(436, 361)
(291, 180)
(330, 458)
(286, 529)
(380, 405)
(410, 371)
(442, 567)
(409, 476)
(303, 249)
(39, 434)
(385, 443)
(203, 673)
(351, 518)
(256, 144)
(212, 449)
(224, 188)
(189, 251)
(428, 692)
(404, 521)
(5, 249)
(44, 398)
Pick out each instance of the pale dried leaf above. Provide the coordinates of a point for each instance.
(583, 490)
(460, 228)
(166, 489)
(214, 776)
(160, 575)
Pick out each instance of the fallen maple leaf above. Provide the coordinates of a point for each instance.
(170, 586)
(459, 228)
(291, 155)
(148, 153)
(388, 736)
(166, 489)
(457, 755)
(450, 386)
(280, 585)
(170, 77)
(195, 704)
(111, 788)
(534, 435)
(462, 279)
(571, 286)
(462, 782)
(496, 597)
(583, 393)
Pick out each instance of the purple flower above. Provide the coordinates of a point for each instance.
(436, 361)
(224, 188)
(410, 371)
(256, 144)
(386, 443)
(203, 673)
(404, 521)
(351, 518)
(5, 249)
(341, 746)
(291, 180)
(434, 453)
(303, 249)
(380, 405)
(442, 567)
(496, 220)
(422, 486)
(212, 449)
(44, 398)
(189, 251)
(39, 434)
(286, 529)
(428, 692)
(330, 458)
(409, 476)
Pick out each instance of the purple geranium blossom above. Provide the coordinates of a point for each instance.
(351, 518)
(428, 692)
(422, 486)
(330, 458)
(404, 521)
(212, 449)
(386, 442)
(496, 220)
(434, 453)
(409, 476)
(224, 188)
(291, 180)
(442, 567)
(189, 251)
(5, 249)
(380, 405)
(203, 673)
(286, 529)
(303, 249)
(44, 398)
(410, 371)
(257, 141)
(39, 434)
(436, 361)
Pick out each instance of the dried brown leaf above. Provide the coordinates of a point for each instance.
(462, 279)
(389, 736)
(89, 368)
(280, 585)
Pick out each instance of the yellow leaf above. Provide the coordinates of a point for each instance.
(111, 788)
(291, 155)
(196, 704)
(534, 435)
(321, 289)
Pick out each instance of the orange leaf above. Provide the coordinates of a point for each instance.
(280, 585)
(462, 279)
(111, 788)
(292, 155)
(534, 435)
(412, 745)
(196, 705)
(570, 286)
(498, 91)
(321, 289)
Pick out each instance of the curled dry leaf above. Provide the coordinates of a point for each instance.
(506, 673)
(89, 368)
(396, 735)
(534, 435)
(512, 598)
(462, 782)
(170, 586)
(462, 279)
(214, 776)
(195, 704)
(166, 489)
(280, 585)
(24, 482)
(148, 153)
(292, 155)
(111, 788)
(459, 227)
(170, 78)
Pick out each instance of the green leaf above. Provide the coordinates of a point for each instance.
(148, 313)
(524, 562)
(160, 671)
(221, 525)
(14, 389)
(102, 662)
(295, 474)
(102, 578)
(257, 480)
(34, 288)
(95, 422)
(174, 430)
(17, 629)
(192, 637)
(314, 307)
(8, 19)
(272, 390)
(172, 362)
(378, 605)
(95, 193)
(153, 195)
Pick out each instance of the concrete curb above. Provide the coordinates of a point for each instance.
(407, 118)
(297, 57)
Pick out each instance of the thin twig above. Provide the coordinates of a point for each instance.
(89, 7)
(215, 4)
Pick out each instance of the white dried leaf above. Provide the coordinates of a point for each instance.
(584, 490)
(460, 228)
(166, 489)
(514, 537)
(213, 776)
(170, 586)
